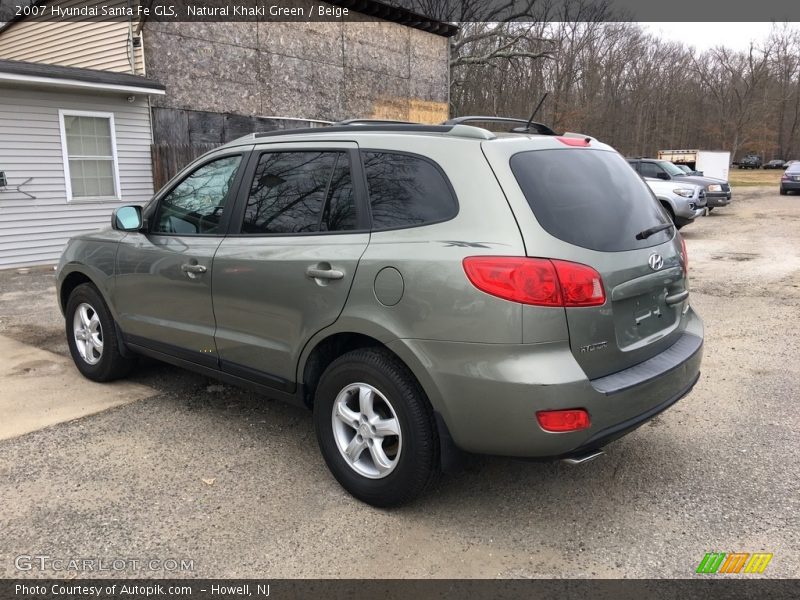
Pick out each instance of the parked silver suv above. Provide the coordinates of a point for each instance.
(424, 289)
(684, 202)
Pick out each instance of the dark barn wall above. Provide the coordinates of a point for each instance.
(225, 79)
(331, 71)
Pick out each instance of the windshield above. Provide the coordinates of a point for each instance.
(589, 198)
(670, 168)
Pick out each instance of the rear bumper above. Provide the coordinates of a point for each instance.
(790, 186)
(608, 435)
(488, 394)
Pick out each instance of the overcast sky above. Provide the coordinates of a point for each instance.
(708, 35)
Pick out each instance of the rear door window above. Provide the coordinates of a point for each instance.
(589, 198)
(406, 190)
(301, 192)
(650, 170)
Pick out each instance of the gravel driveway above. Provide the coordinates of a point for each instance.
(235, 483)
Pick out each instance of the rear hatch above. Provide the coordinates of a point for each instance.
(585, 204)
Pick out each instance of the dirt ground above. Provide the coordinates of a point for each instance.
(235, 483)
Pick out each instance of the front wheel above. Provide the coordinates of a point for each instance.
(375, 428)
(92, 337)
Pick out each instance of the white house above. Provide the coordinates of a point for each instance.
(74, 144)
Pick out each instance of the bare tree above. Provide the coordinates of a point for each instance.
(619, 82)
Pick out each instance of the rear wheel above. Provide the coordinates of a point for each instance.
(375, 428)
(783, 192)
(92, 336)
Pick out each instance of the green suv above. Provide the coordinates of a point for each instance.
(425, 290)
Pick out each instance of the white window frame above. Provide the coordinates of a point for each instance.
(65, 154)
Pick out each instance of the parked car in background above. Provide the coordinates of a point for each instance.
(688, 170)
(711, 163)
(683, 201)
(751, 161)
(422, 289)
(775, 163)
(718, 192)
(790, 180)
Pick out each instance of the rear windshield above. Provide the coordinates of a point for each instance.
(589, 198)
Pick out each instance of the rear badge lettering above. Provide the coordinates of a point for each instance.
(594, 347)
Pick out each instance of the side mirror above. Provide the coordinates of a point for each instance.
(127, 218)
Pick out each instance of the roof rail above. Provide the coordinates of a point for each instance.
(295, 119)
(374, 122)
(471, 132)
(467, 131)
(533, 127)
(390, 127)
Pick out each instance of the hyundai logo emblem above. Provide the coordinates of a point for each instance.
(655, 261)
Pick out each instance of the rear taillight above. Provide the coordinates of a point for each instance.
(537, 281)
(685, 254)
(580, 285)
(785, 177)
(559, 421)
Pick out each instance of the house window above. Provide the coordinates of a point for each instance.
(90, 155)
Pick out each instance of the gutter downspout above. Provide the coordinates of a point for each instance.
(131, 51)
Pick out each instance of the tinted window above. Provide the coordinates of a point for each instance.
(196, 204)
(590, 198)
(406, 190)
(648, 169)
(301, 192)
(340, 208)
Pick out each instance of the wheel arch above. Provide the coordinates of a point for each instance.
(667, 203)
(68, 282)
(350, 334)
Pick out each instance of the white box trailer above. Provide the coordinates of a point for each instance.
(713, 163)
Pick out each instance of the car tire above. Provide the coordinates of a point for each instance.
(783, 192)
(92, 336)
(361, 395)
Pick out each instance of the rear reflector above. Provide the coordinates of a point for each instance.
(563, 420)
(536, 281)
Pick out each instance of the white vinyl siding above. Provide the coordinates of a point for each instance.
(89, 147)
(34, 231)
(102, 45)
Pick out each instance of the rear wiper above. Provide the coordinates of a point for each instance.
(643, 235)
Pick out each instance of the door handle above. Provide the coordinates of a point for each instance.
(192, 271)
(677, 298)
(315, 273)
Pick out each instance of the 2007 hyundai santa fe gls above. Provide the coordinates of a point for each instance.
(423, 289)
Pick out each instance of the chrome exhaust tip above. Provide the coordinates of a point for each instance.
(579, 459)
